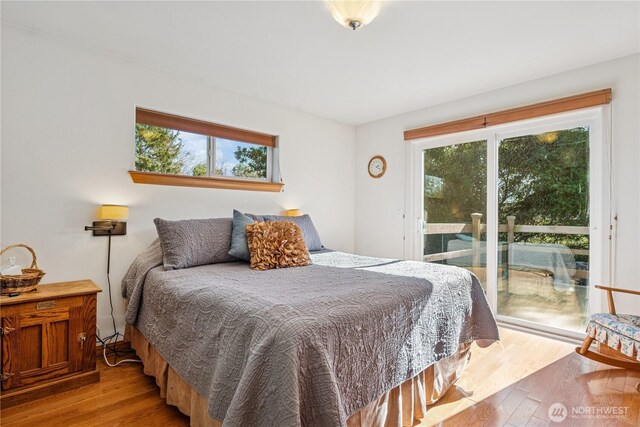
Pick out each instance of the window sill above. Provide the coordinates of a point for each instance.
(202, 181)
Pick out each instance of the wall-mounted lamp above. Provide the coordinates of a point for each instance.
(293, 212)
(111, 224)
(111, 221)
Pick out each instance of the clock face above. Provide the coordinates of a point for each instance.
(377, 166)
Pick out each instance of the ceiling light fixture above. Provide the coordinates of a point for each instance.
(354, 13)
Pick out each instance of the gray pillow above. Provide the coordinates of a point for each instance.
(191, 242)
(239, 247)
(311, 236)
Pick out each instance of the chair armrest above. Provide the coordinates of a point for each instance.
(610, 291)
(626, 291)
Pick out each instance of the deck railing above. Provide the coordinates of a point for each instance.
(476, 228)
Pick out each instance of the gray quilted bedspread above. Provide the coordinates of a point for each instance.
(306, 345)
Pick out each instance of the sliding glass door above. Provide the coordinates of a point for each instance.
(520, 206)
(543, 216)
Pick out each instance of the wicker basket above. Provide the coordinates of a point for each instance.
(25, 282)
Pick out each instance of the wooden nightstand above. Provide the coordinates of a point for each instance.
(48, 341)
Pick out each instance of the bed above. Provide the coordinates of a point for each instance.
(347, 341)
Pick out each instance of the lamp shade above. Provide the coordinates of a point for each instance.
(293, 212)
(354, 13)
(114, 212)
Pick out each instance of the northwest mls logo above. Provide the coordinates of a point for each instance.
(557, 412)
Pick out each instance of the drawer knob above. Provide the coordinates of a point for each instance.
(82, 337)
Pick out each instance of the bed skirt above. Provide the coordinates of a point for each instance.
(398, 407)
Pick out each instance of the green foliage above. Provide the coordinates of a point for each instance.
(542, 180)
(455, 182)
(158, 150)
(199, 170)
(252, 162)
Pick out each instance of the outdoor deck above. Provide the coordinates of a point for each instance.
(531, 296)
(536, 300)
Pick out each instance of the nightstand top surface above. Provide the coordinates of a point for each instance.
(53, 290)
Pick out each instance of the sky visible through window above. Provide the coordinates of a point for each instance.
(196, 146)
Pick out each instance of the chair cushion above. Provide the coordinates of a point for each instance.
(619, 331)
(624, 324)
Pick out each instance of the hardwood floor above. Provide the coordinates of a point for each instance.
(508, 384)
(124, 396)
(515, 383)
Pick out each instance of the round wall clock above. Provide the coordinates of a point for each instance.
(377, 166)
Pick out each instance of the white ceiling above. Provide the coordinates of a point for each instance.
(294, 54)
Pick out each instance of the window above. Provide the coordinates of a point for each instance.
(173, 150)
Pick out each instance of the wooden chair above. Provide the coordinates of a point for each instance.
(621, 331)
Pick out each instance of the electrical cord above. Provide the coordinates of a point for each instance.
(109, 342)
(113, 319)
(115, 353)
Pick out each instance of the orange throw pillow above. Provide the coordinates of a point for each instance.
(277, 244)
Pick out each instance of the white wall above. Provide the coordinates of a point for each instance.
(380, 203)
(67, 144)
